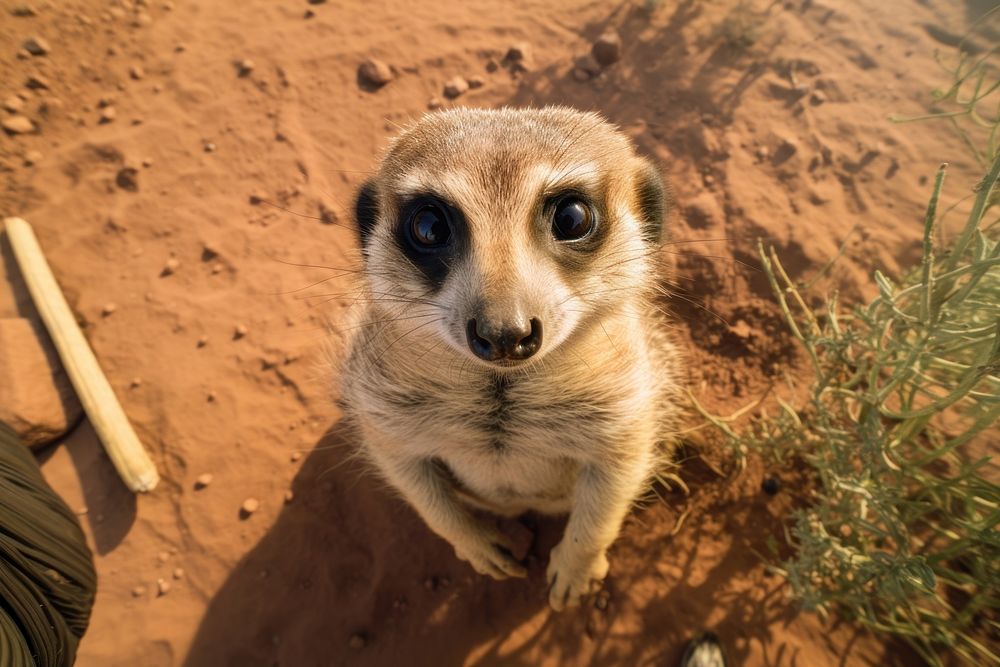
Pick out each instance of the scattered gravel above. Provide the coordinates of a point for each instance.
(375, 73)
(18, 125)
(249, 506)
(455, 87)
(607, 50)
(170, 267)
(37, 46)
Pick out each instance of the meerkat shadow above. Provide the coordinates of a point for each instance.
(349, 574)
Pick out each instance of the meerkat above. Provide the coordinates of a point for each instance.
(508, 355)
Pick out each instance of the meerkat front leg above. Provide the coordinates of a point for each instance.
(602, 497)
(432, 495)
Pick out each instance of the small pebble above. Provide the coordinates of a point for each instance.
(239, 332)
(135, 383)
(107, 309)
(163, 556)
(18, 125)
(162, 587)
(36, 46)
(179, 573)
(13, 104)
(203, 480)
(108, 115)
(771, 485)
(817, 98)
(170, 266)
(295, 457)
(244, 67)
(289, 496)
(357, 642)
(375, 73)
(23, 11)
(147, 162)
(138, 591)
(128, 179)
(249, 506)
(31, 158)
(455, 87)
(203, 341)
(209, 147)
(37, 82)
(210, 397)
(607, 50)
(435, 103)
(476, 81)
(136, 72)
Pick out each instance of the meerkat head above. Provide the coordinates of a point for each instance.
(508, 231)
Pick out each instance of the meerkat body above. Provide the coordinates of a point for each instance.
(507, 355)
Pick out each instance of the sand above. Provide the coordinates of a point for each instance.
(189, 168)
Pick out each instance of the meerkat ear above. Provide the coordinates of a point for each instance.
(366, 211)
(652, 199)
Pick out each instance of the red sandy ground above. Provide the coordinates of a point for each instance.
(720, 93)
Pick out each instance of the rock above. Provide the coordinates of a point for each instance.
(203, 341)
(50, 106)
(289, 496)
(435, 103)
(210, 397)
(36, 397)
(18, 125)
(37, 82)
(107, 309)
(703, 211)
(374, 73)
(138, 591)
(23, 11)
(817, 98)
(785, 150)
(203, 480)
(36, 46)
(147, 162)
(31, 158)
(586, 68)
(295, 457)
(771, 485)
(162, 587)
(476, 82)
(520, 52)
(249, 506)
(170, 266)
(244, 67)
(607, 50)
(136, 72)
(308, 14)
(209, 147)
(178, 573)
(455, 87)
(108, 115)
(239, 332)
(105, 101)
(13, 104)
(128, 179)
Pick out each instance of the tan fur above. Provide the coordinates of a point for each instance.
(579, 427)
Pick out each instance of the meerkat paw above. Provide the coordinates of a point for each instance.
(571, 575)
(489, 553)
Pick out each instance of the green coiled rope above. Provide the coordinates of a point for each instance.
(47, 578)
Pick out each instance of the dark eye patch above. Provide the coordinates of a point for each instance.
(431, 232)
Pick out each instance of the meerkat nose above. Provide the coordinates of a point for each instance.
(515, 340)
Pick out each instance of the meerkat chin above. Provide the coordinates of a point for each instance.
(508, 355)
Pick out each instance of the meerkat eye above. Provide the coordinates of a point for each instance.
(428, 227)
(572, 219)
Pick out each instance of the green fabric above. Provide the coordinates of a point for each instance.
(47, 578)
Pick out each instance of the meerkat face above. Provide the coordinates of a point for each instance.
(504, 233)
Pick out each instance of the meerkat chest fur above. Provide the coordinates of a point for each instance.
(516, 441)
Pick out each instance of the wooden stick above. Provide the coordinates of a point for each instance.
(103, 409)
